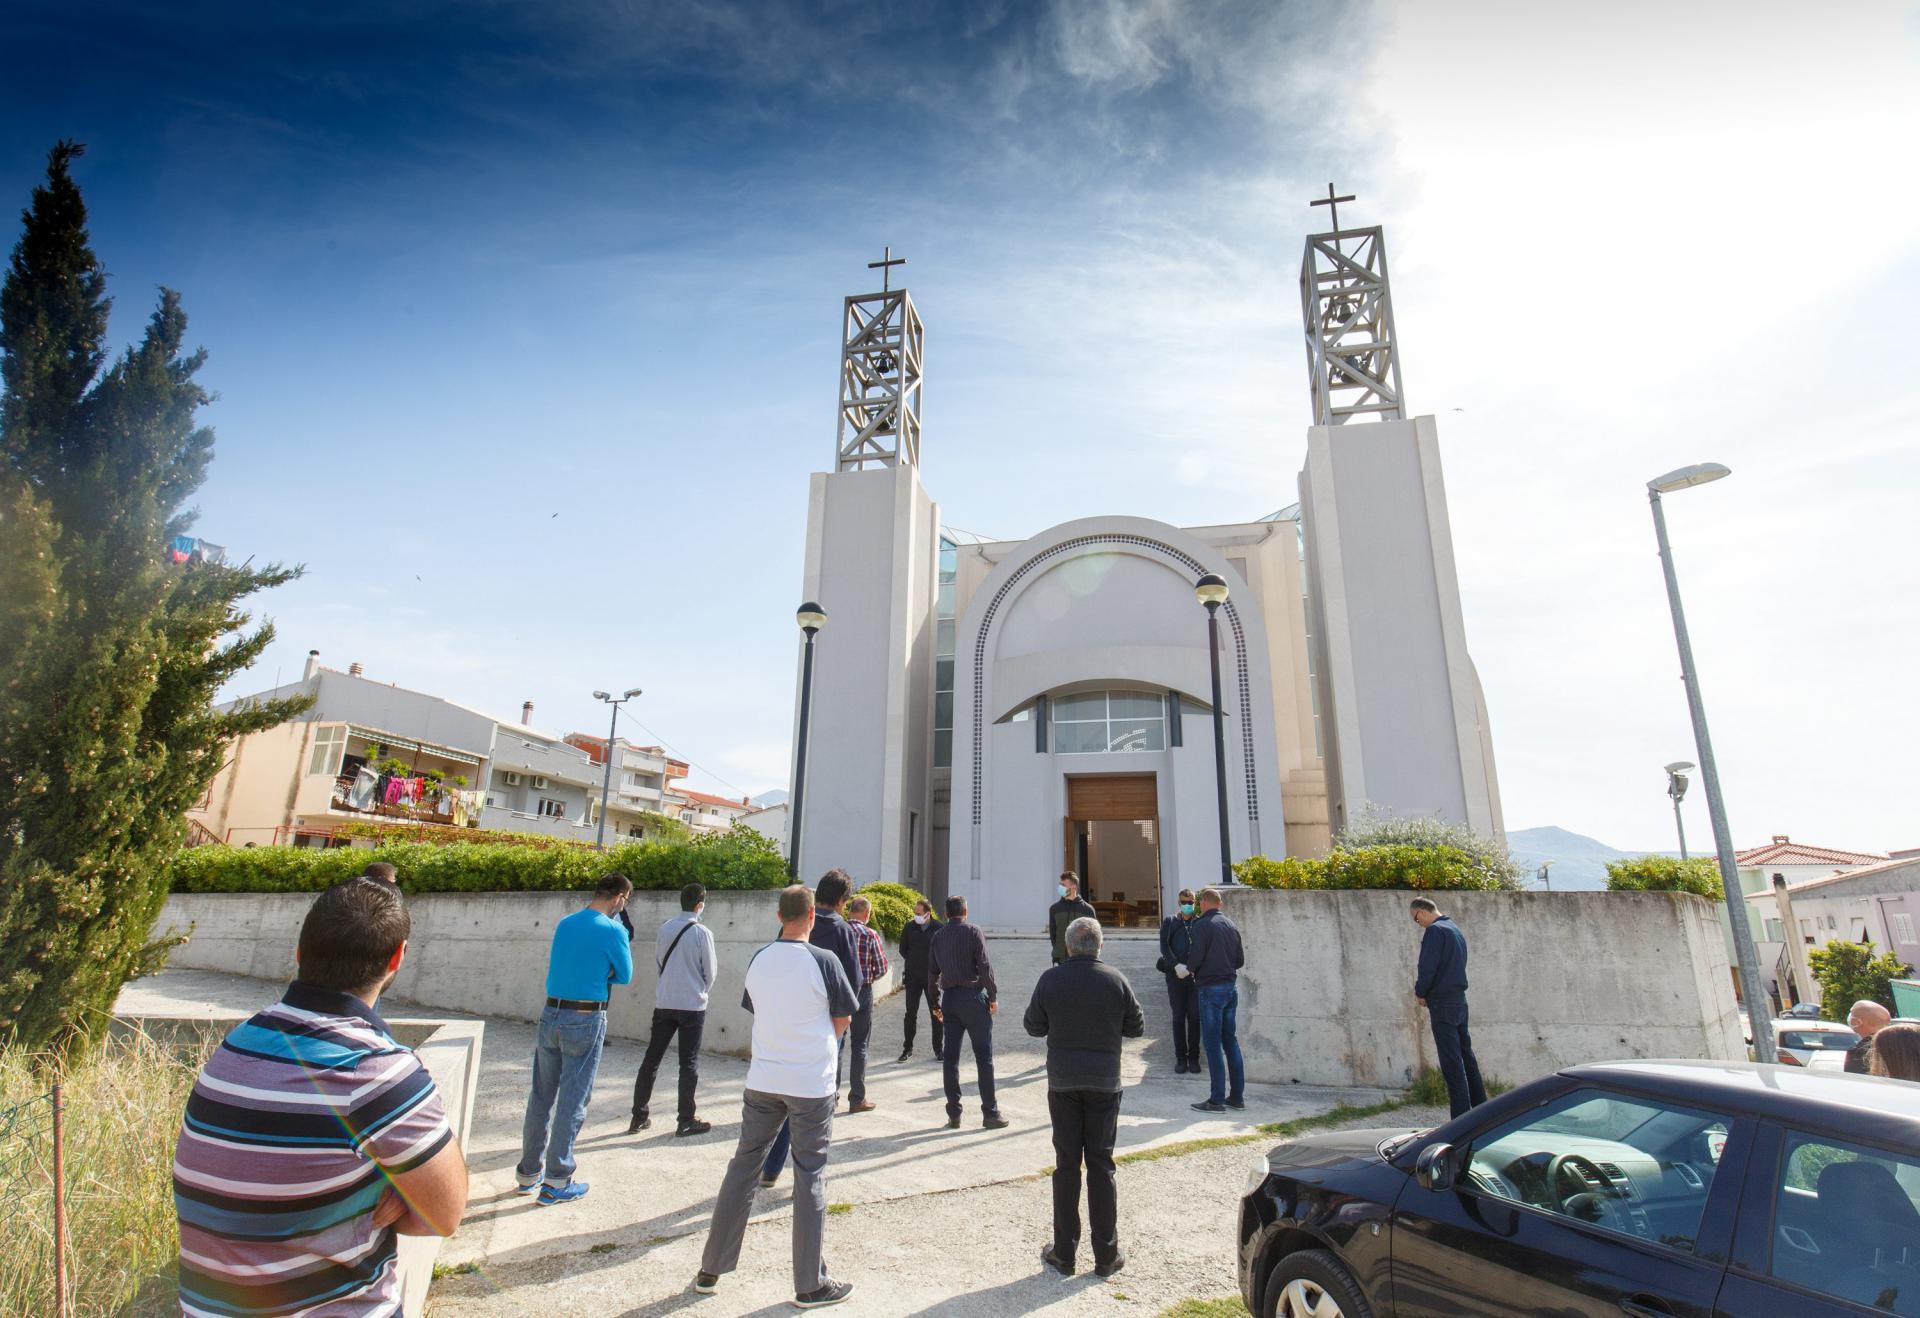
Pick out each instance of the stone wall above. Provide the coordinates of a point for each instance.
(1556, 979)
(486, 953)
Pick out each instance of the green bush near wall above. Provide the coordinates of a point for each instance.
(735, 860)
(1425, 868)
(1700, 875)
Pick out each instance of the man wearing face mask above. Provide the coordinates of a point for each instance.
(1176, 963)
(1065, 911)
(916, 952)
(683, 955)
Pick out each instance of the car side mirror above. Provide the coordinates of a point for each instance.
(1434, 1168)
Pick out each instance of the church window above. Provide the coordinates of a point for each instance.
(943, 637)
(1102, 721)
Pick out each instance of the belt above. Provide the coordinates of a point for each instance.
(576, 1004)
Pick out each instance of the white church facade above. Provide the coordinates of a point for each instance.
(985, 715)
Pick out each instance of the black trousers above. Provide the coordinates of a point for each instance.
(1455, 1047)
(916, 990)
(860, 1030)
(689, 1025)
(1084, 1125)
(1184, 997)
(967, 1018)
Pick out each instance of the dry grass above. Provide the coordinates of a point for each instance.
(122, 1104)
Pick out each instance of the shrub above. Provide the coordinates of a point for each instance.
(1850, 973)
(1700, 875)
(737, 859)
(1427, 868)
(892, 907)
(1374, 827)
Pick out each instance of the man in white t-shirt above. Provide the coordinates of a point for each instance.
(801, 1003)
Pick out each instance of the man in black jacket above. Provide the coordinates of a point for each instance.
(1440, 985)
(1064, 912)
(969, 1000)
(916, 960)
(1083, 1008)
(1176, 963)
(1217, 958)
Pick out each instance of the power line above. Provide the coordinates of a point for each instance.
(691, 762)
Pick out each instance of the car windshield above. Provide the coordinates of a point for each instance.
(1818, 1040)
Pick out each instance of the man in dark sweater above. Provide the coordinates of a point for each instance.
(1217, 958)
(916, 961)
(1440, 985)
(1083, 1008)
(1065, 911)
(969, 999)
(1176, 963)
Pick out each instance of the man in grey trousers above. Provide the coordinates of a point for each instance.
(801, 1002)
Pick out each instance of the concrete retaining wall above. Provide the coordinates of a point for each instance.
(1556, 979)
(486, 953)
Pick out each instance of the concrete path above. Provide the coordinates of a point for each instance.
(934, 1220)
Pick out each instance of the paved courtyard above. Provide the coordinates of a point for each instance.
(925, 1220)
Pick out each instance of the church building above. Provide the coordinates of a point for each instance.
(985, 715)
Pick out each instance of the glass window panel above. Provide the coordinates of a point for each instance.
(943, 709)
(1087, 705)
(328, 746)
(949, 557)
(1136, 735)
(943, 603)
(1847, 1224)
(943, 637)
(1135, 705)
(943, 675)
(1079, 738)
(1024, 714)
(942, 750)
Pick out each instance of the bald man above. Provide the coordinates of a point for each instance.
(1865, 1020)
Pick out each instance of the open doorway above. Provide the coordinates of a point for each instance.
(1112, 841)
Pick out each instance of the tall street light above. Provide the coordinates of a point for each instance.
(1211, 590)
(1677, 788)
(1750, 986)
(811, 618)
(606, 779)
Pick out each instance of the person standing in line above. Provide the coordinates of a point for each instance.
(801, 1004)
(1217, 958)
(1896, 1051)
(833, 934)
(1176, 963)
(916, 956)
(1866, 1018)
(1065, 910)
(969, 1000)
(1440, 985)
(312, 1138)
(872, 956)
(683, 956)
(1083, 1008)
(589, 955)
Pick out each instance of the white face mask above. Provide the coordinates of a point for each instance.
(919, 919)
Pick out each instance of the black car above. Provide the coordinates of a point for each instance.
(1647, 1188)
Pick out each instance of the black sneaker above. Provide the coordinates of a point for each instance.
(1179, 1068)
(953, 1122)
(639, 1124)
(705, 1283)
(1052, 1259)
(1208, 1105)
(834, 1292)
(766, 1182)
(905, 1053)
(1237, 1104)
(1112, 1265)
(694, 1127)
(995, 1122)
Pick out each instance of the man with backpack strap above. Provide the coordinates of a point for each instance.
(683, 955)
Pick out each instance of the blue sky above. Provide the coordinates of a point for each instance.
(523, 323)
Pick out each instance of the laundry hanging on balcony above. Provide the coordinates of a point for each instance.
(365, 784)
(402, 791)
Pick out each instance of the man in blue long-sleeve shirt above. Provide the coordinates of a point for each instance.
(1217, 957)
(1440, 985)
(589, 956)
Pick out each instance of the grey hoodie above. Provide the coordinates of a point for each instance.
(688, 977)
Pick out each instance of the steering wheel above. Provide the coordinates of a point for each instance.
(1596, 1199)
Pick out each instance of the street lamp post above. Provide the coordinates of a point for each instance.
(1751, 988)
(606, 779)
(811, 618)
(1211, 590)
(1677, 788)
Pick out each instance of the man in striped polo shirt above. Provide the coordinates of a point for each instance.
(311, 1137)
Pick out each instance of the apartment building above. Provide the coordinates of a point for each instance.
(643, 778)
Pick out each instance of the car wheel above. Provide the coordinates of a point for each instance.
(1312, 1284)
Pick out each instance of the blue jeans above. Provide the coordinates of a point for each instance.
(1226, 1074)
(566, 1057)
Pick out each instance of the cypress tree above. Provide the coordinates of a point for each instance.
(110, 653)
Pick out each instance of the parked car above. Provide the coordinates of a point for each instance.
(1802, 1011)
(1648, 1188)
(1819, 1044)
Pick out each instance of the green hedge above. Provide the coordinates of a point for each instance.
(738, 859)
(892, 907)
(1700, 875)
(1427, 868)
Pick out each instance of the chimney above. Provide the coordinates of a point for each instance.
(313, 665)
(526, 713)
(356, 670)
(1779, 839)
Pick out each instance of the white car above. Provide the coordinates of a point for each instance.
(1816, 1045)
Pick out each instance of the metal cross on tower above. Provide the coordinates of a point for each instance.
(888, 260)
(1347, 306)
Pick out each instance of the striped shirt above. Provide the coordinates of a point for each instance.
(291, 1132)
